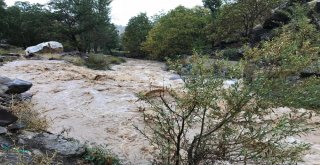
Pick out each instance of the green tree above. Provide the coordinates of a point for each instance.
(2, 16)
(178, 33)
(85, 23)
(27, 24)
(236, 19)
(136, 33)
(213, 5)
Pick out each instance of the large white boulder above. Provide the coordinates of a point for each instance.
(51, 46)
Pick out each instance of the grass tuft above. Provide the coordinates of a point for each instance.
(34, 120)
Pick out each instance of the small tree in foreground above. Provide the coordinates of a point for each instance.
(208, 123)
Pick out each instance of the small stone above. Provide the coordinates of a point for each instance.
(3, 130)
(16, 126)
(26, 96)
(37, 153)
(175, 77)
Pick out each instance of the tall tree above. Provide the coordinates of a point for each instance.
(85, 22)
(27, 24)
(236, 19)
(178, 33)
(2, 15)
(135, 34)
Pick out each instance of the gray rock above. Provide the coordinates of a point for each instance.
(7, 118)
(15, 86)
(175, 77)
(5, 141)
(16, 126)
(26, 96)
(58, 144)
(3, 130)
(18, 86)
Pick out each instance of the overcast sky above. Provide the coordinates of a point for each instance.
(123, 10)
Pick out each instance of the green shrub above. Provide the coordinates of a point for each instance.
(116, 60)
(102, 62)
(3, 51)
(100, 156)
(75, 60)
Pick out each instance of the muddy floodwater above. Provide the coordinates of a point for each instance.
(101, 107)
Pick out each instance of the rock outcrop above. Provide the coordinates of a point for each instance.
(50, 142)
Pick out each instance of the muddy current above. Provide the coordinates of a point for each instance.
(101, 107)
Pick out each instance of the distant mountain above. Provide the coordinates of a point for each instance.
(120, 29)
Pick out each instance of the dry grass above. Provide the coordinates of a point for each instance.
(15, 50)
(42, 159)
(46, 159)
(34, 120)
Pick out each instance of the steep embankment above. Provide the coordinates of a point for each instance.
(100, 106)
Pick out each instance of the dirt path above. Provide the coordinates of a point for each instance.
(100, 107)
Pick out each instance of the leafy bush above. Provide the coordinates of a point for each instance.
(100, 156)
(75, 60)
(102, 62)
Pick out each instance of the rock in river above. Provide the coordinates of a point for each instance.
(16, 86)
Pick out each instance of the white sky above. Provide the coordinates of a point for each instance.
(123, 10)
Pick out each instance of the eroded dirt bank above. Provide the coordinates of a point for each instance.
(101, 107)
